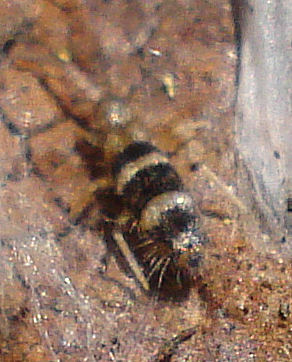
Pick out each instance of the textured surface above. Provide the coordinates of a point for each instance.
(263, 113)
(64, 63)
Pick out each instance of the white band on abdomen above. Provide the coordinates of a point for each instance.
(129, 170)
(151, 214)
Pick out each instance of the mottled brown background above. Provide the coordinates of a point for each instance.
(62, 63)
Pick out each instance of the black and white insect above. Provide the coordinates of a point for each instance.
(148, 214)
(157, 231)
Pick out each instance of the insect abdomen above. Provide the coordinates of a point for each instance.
(163, 231)
(141, 173)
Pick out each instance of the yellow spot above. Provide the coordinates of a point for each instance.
(64, 55)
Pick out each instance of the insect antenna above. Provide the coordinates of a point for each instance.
(155, 267)
(153, 260)
(151, 254)
(178, 278)
(163, 270)
(145, 243)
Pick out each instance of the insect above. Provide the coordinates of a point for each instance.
(149, 214)
(158, 222)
